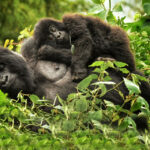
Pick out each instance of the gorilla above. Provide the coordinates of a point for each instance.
(91, 38)
(43, 70)
(16, 76)
(52, 41)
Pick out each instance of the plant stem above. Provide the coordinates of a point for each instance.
(109, 5)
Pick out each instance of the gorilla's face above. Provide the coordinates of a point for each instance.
(57, 35)
(51, 32)
(15, 76)
(7, 79)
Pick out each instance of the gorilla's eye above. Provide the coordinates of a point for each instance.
(2, 67)
(52, 29)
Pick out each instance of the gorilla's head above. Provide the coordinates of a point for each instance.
(15, 76)
(51, 32)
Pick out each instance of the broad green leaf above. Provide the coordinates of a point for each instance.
(103, 89)
(35, 99)
(111, 18)
(15, 112)
(3, 99)
(86, 82)
(110, 104)
(132, 87)
(118, 7)
(95, 115)
(68, 125)
(120, 64)
(73, 96)
(81, 104)
(3, 109)
(97, 63)
(97, 124)
(124, 70)
(127, 123)
(102, 14)
(140, 104)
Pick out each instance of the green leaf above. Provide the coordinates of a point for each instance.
(102, 14)
(15, 112)
(86, 82)
(95, 115)
(97, 124)
(120, 64)
(118, 7)
(3, 109)
(132, 87)
(3, 99)
(72, 49)
(128, 122)
(146, 7)
(124, 70)
(81, 104)
(140, 104)
(97, 63)
(68, 125)
(110, 104)
(35, 99)
(111, 18)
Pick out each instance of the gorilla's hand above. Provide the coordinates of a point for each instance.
(45, 52)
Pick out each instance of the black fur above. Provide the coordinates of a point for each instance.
(91, 37)
(16, 70)
(16, 76)
(49, 88)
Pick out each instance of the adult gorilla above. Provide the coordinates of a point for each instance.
(16, 76)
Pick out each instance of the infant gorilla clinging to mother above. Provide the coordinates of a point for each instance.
(90, 36)
(51, 43)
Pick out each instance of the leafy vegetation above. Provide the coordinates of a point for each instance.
(80, 122)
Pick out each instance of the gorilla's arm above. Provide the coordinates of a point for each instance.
(28, 49)
(58, 55)
(81, 39)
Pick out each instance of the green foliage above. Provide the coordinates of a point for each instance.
(140, 44)
(79, 122)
